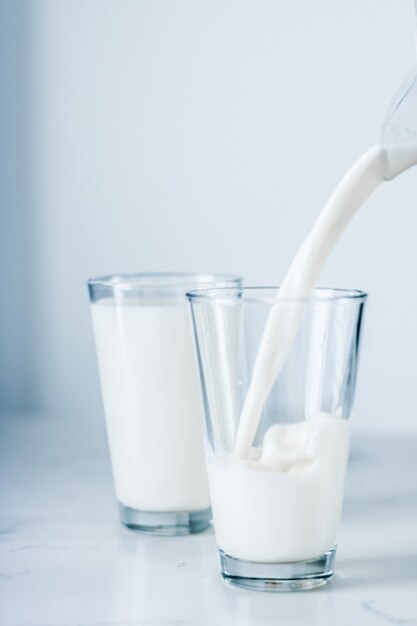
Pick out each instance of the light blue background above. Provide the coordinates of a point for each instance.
(194, 135)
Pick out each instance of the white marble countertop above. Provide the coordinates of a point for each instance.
(66, 561)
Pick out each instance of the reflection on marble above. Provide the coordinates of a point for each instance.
(66, 561)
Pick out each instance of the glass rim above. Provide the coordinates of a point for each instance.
(166, 280)
(228, 294)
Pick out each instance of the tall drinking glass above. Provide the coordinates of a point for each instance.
(151, 394)
(276, 511)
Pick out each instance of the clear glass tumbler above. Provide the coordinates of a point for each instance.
(152, 400)
(276, 511)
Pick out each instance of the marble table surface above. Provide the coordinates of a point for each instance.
(66, 561)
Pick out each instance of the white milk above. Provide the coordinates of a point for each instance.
(375, 166)
(284, 503)
(152, 404)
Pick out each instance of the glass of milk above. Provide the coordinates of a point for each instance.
(276, 510)
(152, 399)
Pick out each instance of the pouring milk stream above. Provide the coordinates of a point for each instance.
(380, 163)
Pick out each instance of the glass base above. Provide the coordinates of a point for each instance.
(297, 576)
(165, 523)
